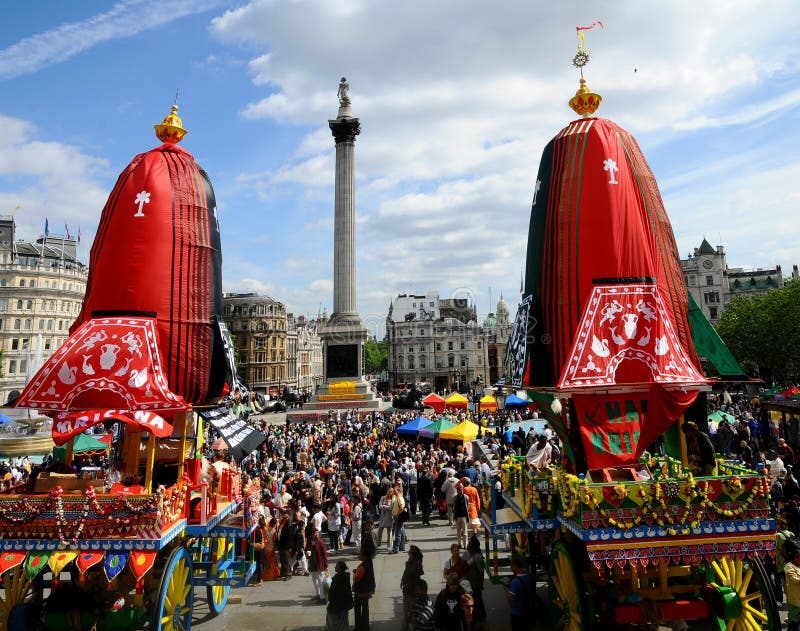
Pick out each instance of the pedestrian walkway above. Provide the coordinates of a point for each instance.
(291, 606)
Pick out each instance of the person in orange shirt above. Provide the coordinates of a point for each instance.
(474, 507)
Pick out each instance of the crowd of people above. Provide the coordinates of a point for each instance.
(350, 484)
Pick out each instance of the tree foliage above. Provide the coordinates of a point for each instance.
(376, 356)
(763, 334)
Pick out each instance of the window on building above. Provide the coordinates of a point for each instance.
(712, 313)
(711, 297)
(479, 345)
(438, 346)
(752, 281)
(451, 361)
(709, 280)
(449, 346)
(19, 305)
(60, 325)
(411, 362)
(274, 355)
(52, 305)
(44, 305)
(422, 362)
(414, 305)
(463, 346)
(431, 304)
(2, 303)
(31, 283)
(47, 344)
(49, 325)
(28, 324)
(23, 366)
(41, 325)
(463, 361)
(29, 305)
(12, 366)
(22, 282)
(17, 324)
(14, 344)
(3, 282)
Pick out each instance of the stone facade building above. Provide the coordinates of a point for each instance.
(42, 284)
(713, 284)
(259, 330)
(436, 342)
(309, 355)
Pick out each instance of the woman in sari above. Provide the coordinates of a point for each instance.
(267, 567)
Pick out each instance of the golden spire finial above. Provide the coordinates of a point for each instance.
(585, 102)
(171, 129)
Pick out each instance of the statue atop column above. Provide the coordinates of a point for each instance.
(344, 92)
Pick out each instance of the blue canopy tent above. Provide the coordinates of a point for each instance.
(410, 429)
(5, 420)
(513, 401)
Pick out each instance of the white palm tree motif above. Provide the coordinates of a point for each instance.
(611, 166)
(141, 199)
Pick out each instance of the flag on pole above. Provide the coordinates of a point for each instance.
(66, 229)
(46, 227)
(79, 234)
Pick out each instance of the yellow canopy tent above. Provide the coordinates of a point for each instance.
(488, 403)
(464, 431)
(457, 400)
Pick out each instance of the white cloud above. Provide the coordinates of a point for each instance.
(124, 19)
(50, 180)
(457, 102)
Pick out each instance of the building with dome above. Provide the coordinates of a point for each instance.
(437, 342)
(497, 328)
(712, 284)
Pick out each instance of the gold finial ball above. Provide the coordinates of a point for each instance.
(585, 102)
(171, 129)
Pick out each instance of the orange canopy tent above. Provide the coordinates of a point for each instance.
(434, 401)
(457, 400)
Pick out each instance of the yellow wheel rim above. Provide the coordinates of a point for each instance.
(15, 589)
(222, 551)
(176, 602)
(739, 576)
(564, 593)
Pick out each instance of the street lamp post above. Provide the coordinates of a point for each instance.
(458, 380)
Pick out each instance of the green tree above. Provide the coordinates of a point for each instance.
(761, 331)
(376, 356)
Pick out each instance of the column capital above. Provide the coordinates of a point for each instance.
(345, 129)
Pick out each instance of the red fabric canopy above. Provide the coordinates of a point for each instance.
(69, 424)
(626, 336)
(108, 363)
(597, 218)
(157, 253)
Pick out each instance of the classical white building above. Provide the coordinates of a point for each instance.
(309, 355)
(713, 284)
(436, 341)
(42, 284)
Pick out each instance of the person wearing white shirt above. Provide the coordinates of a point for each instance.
(540, 454)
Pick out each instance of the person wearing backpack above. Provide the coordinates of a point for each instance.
(520, 596)
(461, 515)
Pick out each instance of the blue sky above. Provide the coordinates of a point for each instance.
(456, 103)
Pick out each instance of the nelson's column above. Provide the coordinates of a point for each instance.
(344, 335)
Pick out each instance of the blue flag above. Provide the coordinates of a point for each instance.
(46, 227)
